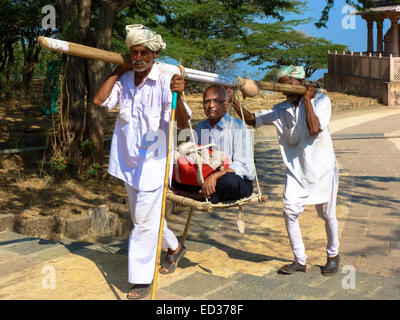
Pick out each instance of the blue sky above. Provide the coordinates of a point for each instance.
(355, 39)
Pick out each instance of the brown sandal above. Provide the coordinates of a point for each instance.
(142, 290)
(172, 260)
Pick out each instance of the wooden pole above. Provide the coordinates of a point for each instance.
(246, 85)
(280, 87)
(164, 198)
(185, 232)
(80, 50)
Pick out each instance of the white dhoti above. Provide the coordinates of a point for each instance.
(312, 175)
(326, 211)
(145, 208)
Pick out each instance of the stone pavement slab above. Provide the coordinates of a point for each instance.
(197, 285)
(247, 287)
(16, 264)
(374, 217)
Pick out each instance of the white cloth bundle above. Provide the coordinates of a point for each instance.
(188, 150)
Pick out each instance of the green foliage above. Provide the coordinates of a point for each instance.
(207, 34)
(203, 34)
(15, 73)
(280, 44)
(94, 170)
(148, 13)
(63, 166)
(20, 25)
(269, 76)
(60, 165)
(87, 146)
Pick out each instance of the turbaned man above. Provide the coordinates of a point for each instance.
(138, 149)
(311, 170)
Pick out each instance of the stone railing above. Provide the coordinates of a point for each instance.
(367, 66)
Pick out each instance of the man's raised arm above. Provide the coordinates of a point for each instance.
(105, 89)
(249, 117)
(313, 123)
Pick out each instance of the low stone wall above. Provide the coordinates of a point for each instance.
(393, 93)
(387, 92)
(357, 85)
(97, 223)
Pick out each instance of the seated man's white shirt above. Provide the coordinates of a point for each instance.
(140, 138)
(232, 137)
(310, 160)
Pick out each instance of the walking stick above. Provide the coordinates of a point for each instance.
(164, 198)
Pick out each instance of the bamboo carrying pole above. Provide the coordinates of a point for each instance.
(280, 87)
(164, 198)
(82, 51)
(250, 87)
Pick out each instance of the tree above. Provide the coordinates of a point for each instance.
(208, 34)
(8, 40)
(8, 36)
(200, 34)
(30, 28)
(19, 29)
(80, 137)
(279, 44)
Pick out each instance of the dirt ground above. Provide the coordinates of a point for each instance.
(28, 191)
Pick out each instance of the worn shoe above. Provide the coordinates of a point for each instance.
(139, 291)
(171, 261)
(291, 268)
(331, 267)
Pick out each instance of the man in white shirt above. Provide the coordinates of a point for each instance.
(139, 148)
(311, 170)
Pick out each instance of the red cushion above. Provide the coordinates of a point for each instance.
(185, 171)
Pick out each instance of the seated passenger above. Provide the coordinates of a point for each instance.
(231, 136)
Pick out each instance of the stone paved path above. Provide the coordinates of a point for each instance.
(223, 264)
(371, 174)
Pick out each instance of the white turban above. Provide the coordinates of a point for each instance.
(296, 72)
(139, 34)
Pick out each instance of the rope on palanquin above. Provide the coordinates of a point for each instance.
(206, 205)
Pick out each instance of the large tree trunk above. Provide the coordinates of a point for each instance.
(31, 59)
(31, 49)
(97, 72)
(73, 108)
(80, 118)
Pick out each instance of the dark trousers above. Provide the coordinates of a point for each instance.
(229, 187)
